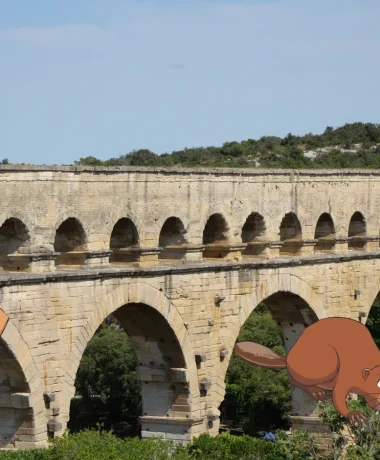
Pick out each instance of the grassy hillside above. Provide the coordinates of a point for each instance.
(355, 145)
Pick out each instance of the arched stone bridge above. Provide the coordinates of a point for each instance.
(181, 258)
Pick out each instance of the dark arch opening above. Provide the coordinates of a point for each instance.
(13, 387)
(124, 242)
(258, 398)
(357, 231)
(290, 234)
(253, 232)
(172, 239)
(70, 243)
(135, 359)
(215, 234)
(325, 233)
(14, 245)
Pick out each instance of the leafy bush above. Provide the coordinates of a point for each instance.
(363, 440)
(96, 445)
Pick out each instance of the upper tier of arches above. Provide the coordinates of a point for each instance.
(127, 239)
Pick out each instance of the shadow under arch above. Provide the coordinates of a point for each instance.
(357, 232)
(172, 239)
(253, 234)
(124, 238)
(215, 237)
(166, 363)
(22, 412)
(70, 242)
(324, 233)
(14, 245)
(290, 234)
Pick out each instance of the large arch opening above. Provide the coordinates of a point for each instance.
(357, 232)
(133, 366)
(262, 399)
(124, 242)
(14, 245)
(290, 234)
(253, 233)
(324, 233)
(15, 415)
(70, 243)
(215, 237)
(172, 240)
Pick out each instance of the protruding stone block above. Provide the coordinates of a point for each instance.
(213, 414)
(179, 375)
(97, 259)
(223, 352)
(56, 411)
(149, 256)
(205, 384)
(49, 397)
(200, 358)
(219, 299)
(20, 400)
(53, 426)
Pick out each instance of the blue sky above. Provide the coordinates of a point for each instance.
(103, 77)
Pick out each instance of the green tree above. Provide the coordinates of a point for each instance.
(106, 380)
(142, 157)
(255, 397)
(89, 161)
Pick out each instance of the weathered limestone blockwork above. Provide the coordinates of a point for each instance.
(171, 316)
(133, 242)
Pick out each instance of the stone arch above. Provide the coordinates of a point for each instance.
(124, 237)
(357, 231)
(172, 239)
(290, 234)
(70, 242)
(106, 227)
(172, 233)
(254, 228)
(201, 225)
(147, 309)
(290, 228)
(293, 289)
(253, 233)
(14, 244)
(22, 217)
(216, 236)
(216, 230)
(21, 394)
(324, 233)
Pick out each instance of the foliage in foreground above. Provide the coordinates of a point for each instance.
(95, 445)
(103, 445)
(363, 440)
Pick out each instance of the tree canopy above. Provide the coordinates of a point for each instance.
(354, 145)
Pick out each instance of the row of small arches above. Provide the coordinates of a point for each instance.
(71, 236)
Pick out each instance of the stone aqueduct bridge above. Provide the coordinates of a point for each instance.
(181, 258)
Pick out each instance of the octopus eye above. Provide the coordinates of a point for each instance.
(378, 383)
